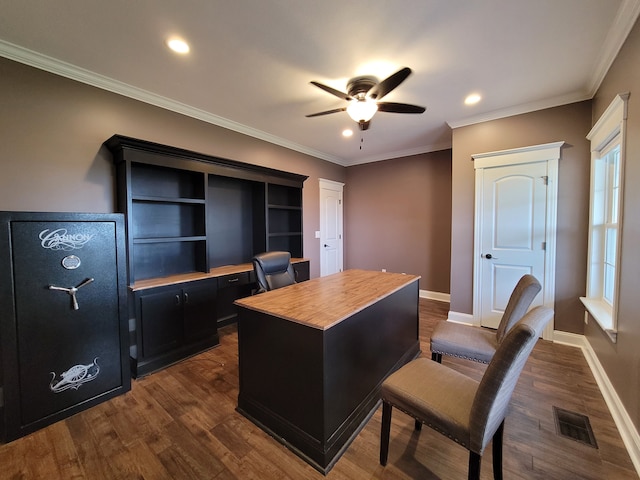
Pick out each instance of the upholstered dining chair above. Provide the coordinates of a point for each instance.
(477, 343)
(467, 411)
(273, 270)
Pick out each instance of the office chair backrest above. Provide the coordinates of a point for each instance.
(499, 380)
(273, 270)
(523, 294)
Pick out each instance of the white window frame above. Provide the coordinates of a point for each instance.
(607, 136)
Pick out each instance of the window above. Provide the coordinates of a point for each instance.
(605, 219)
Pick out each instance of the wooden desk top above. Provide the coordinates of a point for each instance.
(195, 276)
(325, 301)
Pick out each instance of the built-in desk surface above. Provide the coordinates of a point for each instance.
(323, 302)
(195, 276)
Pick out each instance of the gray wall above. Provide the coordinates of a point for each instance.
(398, 217)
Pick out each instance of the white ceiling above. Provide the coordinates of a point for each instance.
(251, 61)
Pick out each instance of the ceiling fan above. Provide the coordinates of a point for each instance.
(363, 95)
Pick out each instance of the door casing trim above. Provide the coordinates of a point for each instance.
(549, 153)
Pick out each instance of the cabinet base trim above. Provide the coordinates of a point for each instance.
(141, 368)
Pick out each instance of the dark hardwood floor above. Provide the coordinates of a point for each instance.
(181, 423)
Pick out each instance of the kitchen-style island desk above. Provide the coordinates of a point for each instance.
(312, 356)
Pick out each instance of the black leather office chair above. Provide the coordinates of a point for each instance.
(273, 270)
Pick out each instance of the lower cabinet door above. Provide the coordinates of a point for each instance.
(160, 320)
(199, 301)
(174, 322)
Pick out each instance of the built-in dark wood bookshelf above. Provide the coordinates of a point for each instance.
(193, 223)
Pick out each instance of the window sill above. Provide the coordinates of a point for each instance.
(602, 315)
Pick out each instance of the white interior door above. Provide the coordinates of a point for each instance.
(515, 227)
(331, 242)
(513, 234)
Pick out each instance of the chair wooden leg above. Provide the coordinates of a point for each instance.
(436, 357)
(385, 432)
(474, 466)
(497, 452)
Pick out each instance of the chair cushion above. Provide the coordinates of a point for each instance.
(279, 280)
(465, 341)
(435, 394)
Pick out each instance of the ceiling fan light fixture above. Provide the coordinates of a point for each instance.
(362, 110)
(472, 99)
(178, 45)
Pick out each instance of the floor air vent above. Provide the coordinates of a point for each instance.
(574, 426)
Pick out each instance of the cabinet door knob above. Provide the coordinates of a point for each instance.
(177, 299)
(186, 298)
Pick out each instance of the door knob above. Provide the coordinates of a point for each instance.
(488, 256)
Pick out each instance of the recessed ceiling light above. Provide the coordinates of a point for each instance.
(472, 99)
(347, 132)
(178, 45)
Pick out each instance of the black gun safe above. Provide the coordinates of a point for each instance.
(63, 316)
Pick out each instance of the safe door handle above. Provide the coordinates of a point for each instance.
(72, 291)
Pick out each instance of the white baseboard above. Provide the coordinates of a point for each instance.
(628, 432)
(464, 318)
(440, 297)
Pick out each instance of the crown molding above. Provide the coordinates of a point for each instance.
(520, 109)
(67, 70)
(617, 35)
(401, 153)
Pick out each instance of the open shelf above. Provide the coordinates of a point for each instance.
(284, 196)
(165, 258)
(284, 219)
(162, 182)
(167, 220)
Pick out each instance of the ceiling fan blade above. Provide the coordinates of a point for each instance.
(327, 112)
(385, 86)
(392, 107)
(332, 91)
